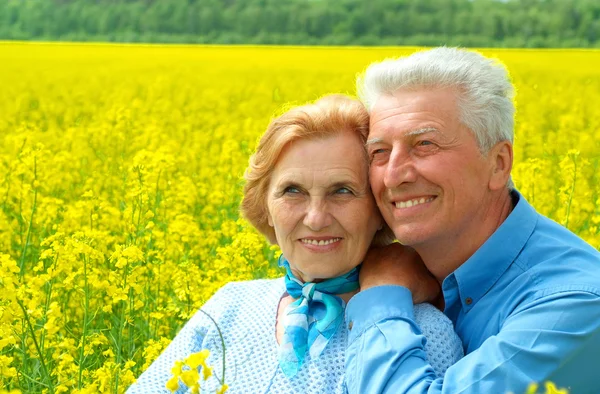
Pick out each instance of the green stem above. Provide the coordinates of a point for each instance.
(572, 192)
(155, 329)
(24, 251)
(222, 344)
(32, 379)
(189, 300)
(85, 321)
(37, 346)
(131, 312)
(47, 306)
(24, 355)
(121, 325)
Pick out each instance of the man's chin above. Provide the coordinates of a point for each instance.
(409, 236)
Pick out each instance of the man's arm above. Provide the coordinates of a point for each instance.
(554, 337)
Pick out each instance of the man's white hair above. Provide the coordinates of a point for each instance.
(485, 93)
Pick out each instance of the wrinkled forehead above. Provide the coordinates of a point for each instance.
(341, 151)
(328, 142)
(415, 111)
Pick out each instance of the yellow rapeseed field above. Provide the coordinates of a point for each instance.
(121, 172)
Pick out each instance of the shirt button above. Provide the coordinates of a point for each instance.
(350, 325)
(469, 301)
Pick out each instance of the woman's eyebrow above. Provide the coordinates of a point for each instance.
(344, 183)
(288, 182)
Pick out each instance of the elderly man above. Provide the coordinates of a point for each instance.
(522, 291)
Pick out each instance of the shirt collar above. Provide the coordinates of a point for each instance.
(481, 271)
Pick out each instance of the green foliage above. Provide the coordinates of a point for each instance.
(487, 23)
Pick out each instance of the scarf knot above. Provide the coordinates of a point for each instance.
(308, 290)
(312, 320)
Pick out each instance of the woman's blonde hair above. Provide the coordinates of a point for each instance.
(328, 116)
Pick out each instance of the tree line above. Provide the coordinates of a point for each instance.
(475, 23)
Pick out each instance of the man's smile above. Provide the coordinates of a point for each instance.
(413, 201)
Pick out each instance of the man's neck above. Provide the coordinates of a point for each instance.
(442, 256)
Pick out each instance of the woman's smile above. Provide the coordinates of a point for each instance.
(321, 244)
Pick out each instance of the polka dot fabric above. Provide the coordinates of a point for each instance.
(246, 314)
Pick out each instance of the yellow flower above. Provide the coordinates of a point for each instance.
(552, 389)
(173, 384)
(195, 360)
(223, 389)
(206, 372)
(549, 386)
(177, 368)
(532, 389)
(131, 200)
(5, 370)
(190, 377)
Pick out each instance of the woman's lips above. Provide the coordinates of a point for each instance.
(321, 244)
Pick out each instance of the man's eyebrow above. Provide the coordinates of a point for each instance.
(424, 130)
(413, 133)
(373, 141)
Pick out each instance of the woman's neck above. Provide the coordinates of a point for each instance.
(345, 296)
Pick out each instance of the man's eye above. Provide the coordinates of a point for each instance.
(377, 151)
(378, 156)
(425, 143)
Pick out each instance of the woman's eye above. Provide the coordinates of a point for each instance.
(291, 190)
(343, 190)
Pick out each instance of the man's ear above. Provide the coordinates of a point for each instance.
(501, 160)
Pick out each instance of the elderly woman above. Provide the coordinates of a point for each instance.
(307, 191)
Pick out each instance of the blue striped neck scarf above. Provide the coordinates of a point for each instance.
(313, 319)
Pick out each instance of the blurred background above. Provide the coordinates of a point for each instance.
(472, 23)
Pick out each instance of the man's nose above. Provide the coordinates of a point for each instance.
(400, 169)
(317, 215)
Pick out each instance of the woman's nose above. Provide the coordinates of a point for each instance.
(317, 215)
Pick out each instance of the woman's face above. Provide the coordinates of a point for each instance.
(321, 207)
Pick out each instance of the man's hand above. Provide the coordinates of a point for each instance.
(400, 265)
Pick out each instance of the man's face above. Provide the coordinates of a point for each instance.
(427, 173)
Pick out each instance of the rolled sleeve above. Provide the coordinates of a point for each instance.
(384, 342)
(552, 338)
(364, 309)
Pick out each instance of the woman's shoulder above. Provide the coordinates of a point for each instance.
(429, 314)
(252, 288)
(235, 297)
(234, 302)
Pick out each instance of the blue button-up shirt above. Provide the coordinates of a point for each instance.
(526, 306)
